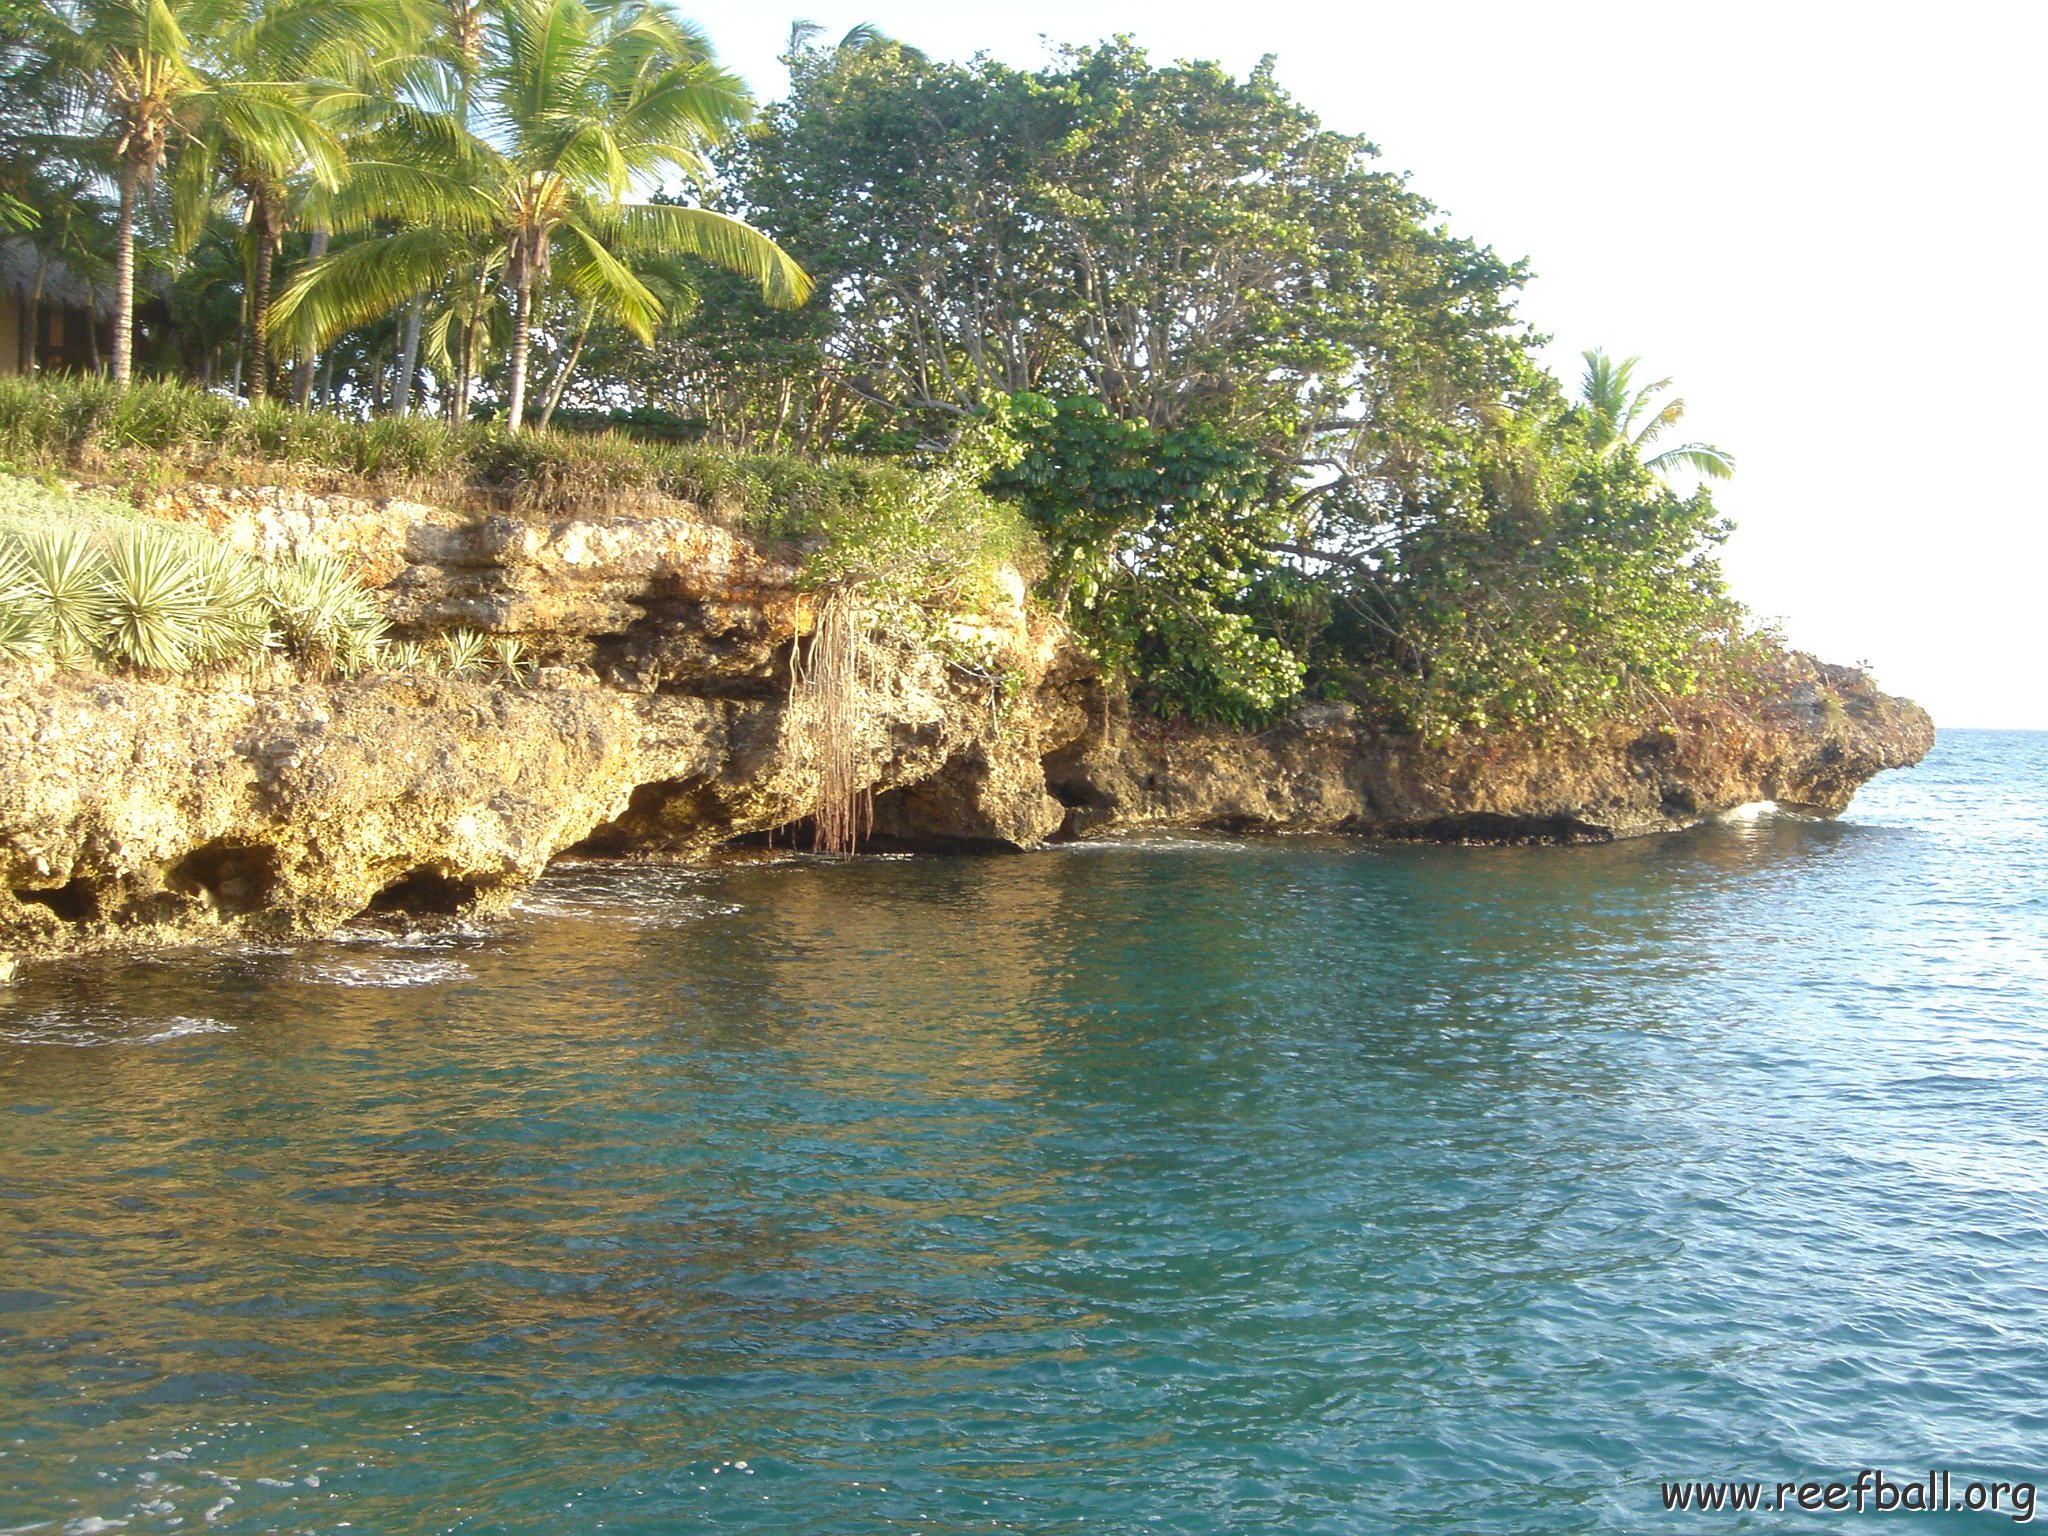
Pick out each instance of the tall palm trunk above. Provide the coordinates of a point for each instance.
(124, 275)
(409, 354)
(259, 312)
(522, 335)
(302, 383)
(465, 375)
(267, 220)
(466, 383)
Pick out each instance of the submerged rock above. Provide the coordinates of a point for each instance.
(135, 811)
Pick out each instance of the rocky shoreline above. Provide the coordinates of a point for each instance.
(136, 812)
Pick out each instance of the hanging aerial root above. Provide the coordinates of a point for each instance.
(831, 686)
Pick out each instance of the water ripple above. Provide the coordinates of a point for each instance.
(1203, 1185)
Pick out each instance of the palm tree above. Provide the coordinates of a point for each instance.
(666, 277)
(862, 37)
(66, 229)
(286, 148)
(577, 104)
(147, 86)
(132, 62)
(1624, 416)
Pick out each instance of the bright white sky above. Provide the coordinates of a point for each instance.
(1825, 221)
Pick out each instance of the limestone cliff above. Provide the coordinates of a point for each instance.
(135, 811)
(1808, 745)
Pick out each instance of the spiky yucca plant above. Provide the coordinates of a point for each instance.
(510, 657)
(16, 585)
(67, 583)
(21, 632)
(87, 583)
(238, 625)
(462, 650)
(21, 626)
(407, 656)
(158, 615)
(327, 617)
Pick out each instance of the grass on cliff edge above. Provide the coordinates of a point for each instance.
(156, 434)
(927, 533)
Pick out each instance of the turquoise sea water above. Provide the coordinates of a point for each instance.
(1202, 1187)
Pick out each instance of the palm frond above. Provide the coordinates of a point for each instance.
(192, 183)
(419, 193)
(598, 274)
(1700, 458)
(866, 37)
(686, 107)
(658, 229)
(359, 283)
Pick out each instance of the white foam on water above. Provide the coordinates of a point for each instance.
(1755, 810)
(85, 1028)
(393, 972)
(46, 1029)
(633, 895)
(179, 1028)
(1154, 842)
(452, 935)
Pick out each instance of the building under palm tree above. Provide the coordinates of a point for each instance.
(50, 317)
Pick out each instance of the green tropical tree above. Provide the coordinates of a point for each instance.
(66, 227)
(1622, 414)
(576, 105)
(666, 277)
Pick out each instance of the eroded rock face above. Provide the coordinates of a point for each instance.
(141, 810)
(648, 599)
(136, 812)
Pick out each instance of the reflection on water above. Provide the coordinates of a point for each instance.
(1209, 1185)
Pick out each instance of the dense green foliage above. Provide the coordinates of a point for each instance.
(1279, 430)
(1259, 425)
(1157, 537)
(439, 156)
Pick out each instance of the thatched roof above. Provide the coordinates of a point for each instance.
(61, 285)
